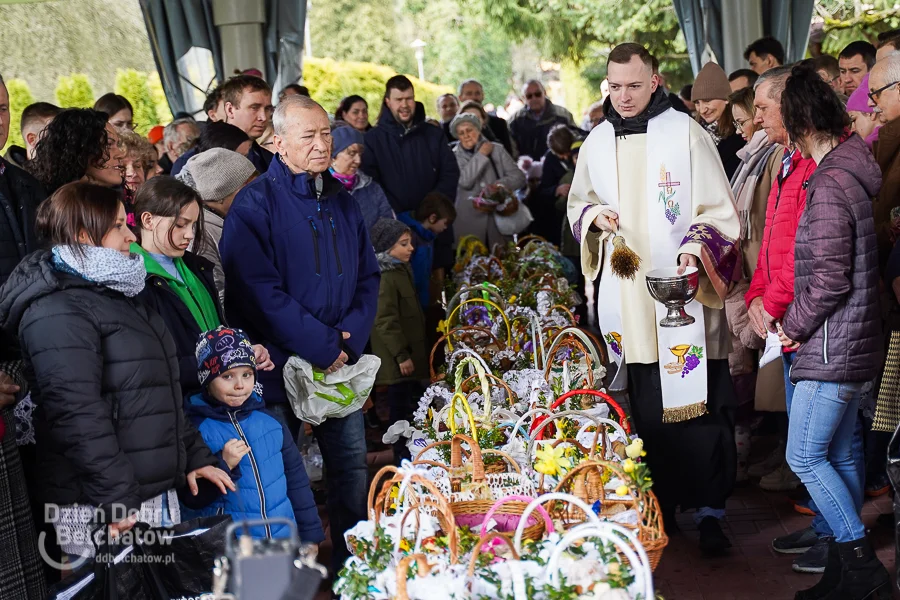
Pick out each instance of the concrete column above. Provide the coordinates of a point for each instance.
(741, 25)
(240, 24)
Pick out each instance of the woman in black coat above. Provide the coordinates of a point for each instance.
(180, 285)
(111, 435)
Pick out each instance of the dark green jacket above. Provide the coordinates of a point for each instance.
(399, 332)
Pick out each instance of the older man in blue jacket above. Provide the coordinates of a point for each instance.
(300, 273)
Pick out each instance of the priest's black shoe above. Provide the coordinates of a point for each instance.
(713, 541)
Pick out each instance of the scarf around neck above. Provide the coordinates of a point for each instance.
(104, 266)
(754, 157)
(659, 103)
(190, 290)
(348, 181)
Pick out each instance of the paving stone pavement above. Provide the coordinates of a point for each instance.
(752, 570)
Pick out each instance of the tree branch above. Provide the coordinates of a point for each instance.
(865, 19)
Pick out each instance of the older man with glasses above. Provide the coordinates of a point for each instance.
(529, 127)
(884, 95)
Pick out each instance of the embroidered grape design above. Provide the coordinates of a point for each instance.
(615, 348)
(691, 360)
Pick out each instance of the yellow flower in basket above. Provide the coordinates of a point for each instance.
(628, 465)
(552, 461)
(443, 327)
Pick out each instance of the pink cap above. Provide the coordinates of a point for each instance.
(859, 99)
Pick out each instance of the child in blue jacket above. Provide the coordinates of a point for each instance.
(257, 448)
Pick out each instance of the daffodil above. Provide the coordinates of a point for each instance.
(404, 545)
(635, 449)
(628, 465)
(512, 298)
(443, 326)
(622, 490)
(551, 461)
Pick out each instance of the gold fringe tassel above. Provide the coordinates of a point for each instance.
(684, 413)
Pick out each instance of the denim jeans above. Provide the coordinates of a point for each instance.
(819, 524)
(822, 451)
(343, 446)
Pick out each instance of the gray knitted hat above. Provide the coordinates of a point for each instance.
(216, 173)
(385, 234)
(464, 118)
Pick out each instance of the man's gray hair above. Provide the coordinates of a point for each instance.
(280, 118)
(777, 77)
(468, 82)
(170, 132)
(890, 65)
(533, 81)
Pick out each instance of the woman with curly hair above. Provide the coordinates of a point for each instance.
(78, 144)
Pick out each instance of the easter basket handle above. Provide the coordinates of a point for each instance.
(482, 301)
(548, 522)
(475, 456)
(624, 541)
(445, 337)
(598, 394)
(590, 515)
(480, 544)
(423, 569)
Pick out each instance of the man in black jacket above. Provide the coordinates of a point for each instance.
(530, 126)
(247, 104)
(471, 89)
(410, 158)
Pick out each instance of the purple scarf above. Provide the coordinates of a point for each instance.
(348, 181)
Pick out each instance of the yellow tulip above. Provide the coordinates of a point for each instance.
(628, 465)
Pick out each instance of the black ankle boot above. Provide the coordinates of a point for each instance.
(863, 577)
(830, 578)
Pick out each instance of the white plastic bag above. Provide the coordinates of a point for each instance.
(315, 396)
(773, 349)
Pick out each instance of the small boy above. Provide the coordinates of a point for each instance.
(398, 337)
(257, 448)
(433, 216)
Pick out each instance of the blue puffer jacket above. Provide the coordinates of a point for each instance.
(409, 163)
(373, 204)
(271, 481)
(300, 270)
(422, 258)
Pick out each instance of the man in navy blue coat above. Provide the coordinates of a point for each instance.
(300, 273)
(410, 157)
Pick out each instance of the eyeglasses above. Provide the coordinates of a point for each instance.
(873, 95)
(739, 125)
(534, 95)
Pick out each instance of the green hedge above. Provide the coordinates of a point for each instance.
(20, 96)
(329, 81)
(133, 85)
(74, 91)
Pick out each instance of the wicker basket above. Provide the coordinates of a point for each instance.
(480, 339)
(429, 498)
(480, 507)
(582, 482)
(511, 207)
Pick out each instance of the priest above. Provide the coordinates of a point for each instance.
(649, 183)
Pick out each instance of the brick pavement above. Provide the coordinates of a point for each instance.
(752, 570)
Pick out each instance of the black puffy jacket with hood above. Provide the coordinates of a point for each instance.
(103, 372)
